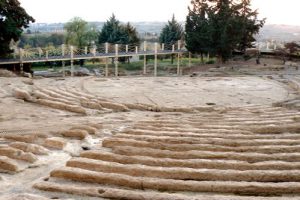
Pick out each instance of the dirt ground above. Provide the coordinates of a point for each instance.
(108, 107)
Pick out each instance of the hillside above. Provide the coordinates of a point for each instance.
(269, 32)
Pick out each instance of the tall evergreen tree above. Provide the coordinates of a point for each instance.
(225, 30)
(171, 34)
(249, 25)
(131, 35)
(198, 33)
(116, 33)
(227, 25)
(112, 32)
(13, 19)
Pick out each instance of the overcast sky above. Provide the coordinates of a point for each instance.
(276, 11)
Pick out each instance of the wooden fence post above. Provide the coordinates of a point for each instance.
(63, 62)
(178, 59)
(190, 58)
(116, 61)
(155, 60)
(21, 59)
(145, 58)
(72, 60)
(47, 55)
(106, 60)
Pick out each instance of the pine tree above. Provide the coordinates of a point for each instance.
(131, 35)
(249, 25)
(221, 26)
(197, 29)
(171, 34)
(223, 20)
(116, 33)
(112, 32)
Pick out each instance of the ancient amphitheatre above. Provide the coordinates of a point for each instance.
(229, 133)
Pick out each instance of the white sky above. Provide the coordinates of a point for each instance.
(276, 11)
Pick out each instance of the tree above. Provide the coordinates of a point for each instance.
(221, 26)
(41, 40)
(198, 33)
(171, 33)
(13, 19)
(112, 32)
(249, 25)
(116, 33)
(292, 47)
(79, 33)
(130, 35)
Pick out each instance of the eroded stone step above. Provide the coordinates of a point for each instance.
(268, 129)
(185, 173)
(191, 163)
(17, 154)
(31, 148)
(213, 141)
(249, 157)
(115, 193)
(9, 165)
(202, 123)
(226, 134)
(113, 142)
(248, 188)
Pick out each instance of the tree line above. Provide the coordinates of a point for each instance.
(217, 27)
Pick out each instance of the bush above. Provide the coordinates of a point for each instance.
(210, 62)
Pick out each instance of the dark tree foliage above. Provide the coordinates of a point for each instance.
(249, 25)
(221, 26)
(224, 22)
(130, 35)
(171, 33)
(198, 33)
(116, 33)
(292, 47)
(13, 19)
(41, 40)
(112, 32)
